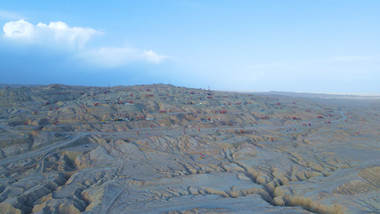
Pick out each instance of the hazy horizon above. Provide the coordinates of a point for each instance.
(289, 46)
(374, 95)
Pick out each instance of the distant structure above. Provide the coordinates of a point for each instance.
(209, 91)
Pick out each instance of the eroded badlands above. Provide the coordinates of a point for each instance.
(166, 149)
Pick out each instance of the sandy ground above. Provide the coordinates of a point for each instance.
(166, 149)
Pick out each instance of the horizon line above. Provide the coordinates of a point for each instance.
(234, 91)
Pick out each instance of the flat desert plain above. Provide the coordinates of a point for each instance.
(166, 149)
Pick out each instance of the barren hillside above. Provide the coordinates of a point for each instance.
(166, 149)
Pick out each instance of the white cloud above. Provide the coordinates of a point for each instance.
(58, 33)
(110, 57)
(154, 57)
(19, 30)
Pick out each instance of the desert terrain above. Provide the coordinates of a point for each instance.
(166, 149)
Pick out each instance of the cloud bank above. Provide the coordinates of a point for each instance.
(111, 57)
(54, 32)
(61, 35)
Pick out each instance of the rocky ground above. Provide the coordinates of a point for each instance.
(166, 149)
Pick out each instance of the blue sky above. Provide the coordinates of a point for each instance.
(292, 45)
